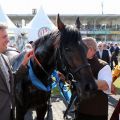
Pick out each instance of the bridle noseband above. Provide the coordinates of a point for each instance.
(66, 66)
(81, 67)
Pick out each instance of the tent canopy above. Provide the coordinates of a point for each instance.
(5, 20)
(12, 29)
(39, 25)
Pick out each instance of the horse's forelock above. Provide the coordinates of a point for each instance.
(71, 35)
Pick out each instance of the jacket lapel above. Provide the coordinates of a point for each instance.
(3, 73)
(10, 74)
(4, 80)
(11, 82)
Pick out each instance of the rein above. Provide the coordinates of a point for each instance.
(65, 64)
(34, 79)
(70, 77)
(81, 67)
(40, 65)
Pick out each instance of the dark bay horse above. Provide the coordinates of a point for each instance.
(63, 50)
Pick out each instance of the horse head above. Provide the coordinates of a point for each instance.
(72, 57)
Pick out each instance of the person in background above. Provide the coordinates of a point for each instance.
(116, 113)
(7, 78)
(103, 53)
(105, 47)
(114, 57)
(112, 49)
(96, 107)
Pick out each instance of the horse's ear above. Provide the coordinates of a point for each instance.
(60, 24)
(77, 23)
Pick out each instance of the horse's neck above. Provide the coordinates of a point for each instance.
(44, 70)
(45, 54)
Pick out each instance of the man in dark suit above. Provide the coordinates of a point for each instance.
(115, 55)
(6, 77)
(103, 53)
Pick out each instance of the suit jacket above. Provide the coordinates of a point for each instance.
(6, 91)
(105, 56)
(116, 52)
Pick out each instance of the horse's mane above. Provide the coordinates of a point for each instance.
(46, 37)
(70, 34)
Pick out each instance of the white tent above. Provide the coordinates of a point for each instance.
(13, 31)
(39, 25)
(5, 20)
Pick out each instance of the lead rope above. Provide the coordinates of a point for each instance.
(39, 64)
(49, 101)
(70, 77)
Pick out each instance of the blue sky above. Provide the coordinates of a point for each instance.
(61, 6)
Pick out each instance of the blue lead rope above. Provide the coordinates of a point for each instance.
(35, 81)
(64, 91)
(62, 86)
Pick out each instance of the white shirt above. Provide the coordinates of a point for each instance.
(106, 74)
(100, 53)
(109, 53)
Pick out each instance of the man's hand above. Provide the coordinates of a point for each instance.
(27, 57)
(102, 85)
(113, 89)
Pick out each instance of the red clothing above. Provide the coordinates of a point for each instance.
(115, 115)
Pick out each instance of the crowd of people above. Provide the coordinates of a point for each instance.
(109, 53)
(95, 108)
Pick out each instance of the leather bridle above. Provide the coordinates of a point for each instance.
(65, 66)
